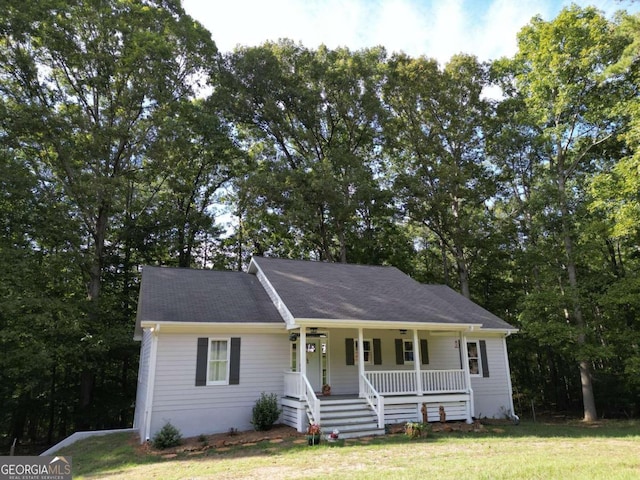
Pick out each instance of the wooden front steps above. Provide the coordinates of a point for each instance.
(353, 417)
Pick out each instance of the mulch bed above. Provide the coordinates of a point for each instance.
(225, 441)
(278, 434)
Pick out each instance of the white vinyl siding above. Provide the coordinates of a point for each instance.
(492, 396)
(196, 410)
(444, 352)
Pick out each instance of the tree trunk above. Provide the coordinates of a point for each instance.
(95, 287)
(99, 236)
(463, 272)
(588, 399)
(240, 240)
(343, 244)
(52, 406)
(445, 264)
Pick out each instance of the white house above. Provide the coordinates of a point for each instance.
(212, 341)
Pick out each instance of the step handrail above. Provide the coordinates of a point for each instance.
(309, 396)
(370, 393)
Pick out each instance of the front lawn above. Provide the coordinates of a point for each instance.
(570, 450)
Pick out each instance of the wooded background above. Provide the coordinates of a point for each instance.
(125, 135)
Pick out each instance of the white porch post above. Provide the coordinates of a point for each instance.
(417, 362)
(360, 361)
(467, 375)
(302, 351)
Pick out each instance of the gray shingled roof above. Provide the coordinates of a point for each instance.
(186, 295)
(359, 292)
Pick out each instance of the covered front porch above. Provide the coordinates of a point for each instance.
(389, 375)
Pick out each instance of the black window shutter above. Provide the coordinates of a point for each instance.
(201, 361)
(234, 367)
(399, 352)
(377, 352)
(483, 357)
(424, 351)
(348, 346)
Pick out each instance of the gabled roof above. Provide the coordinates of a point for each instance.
(186, 295)
(318, 290)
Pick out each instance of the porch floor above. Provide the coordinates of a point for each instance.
(327, 398)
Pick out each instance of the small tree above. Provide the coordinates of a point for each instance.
(265, 411)
(168, 436)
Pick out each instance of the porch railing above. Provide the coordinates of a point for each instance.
(374, 400)
(398, 382)
(309, 396)
(390, 382)
(297, 386)
(293, 385)
(443, 381)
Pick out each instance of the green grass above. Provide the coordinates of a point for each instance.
(607, 450)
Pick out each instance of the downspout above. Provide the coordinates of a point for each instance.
(151, 385)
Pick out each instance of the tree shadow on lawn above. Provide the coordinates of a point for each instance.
(116, 452)
(555, 429)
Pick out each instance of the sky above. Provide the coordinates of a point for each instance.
(433, 28)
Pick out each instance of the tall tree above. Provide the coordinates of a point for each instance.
(560, 75)
(83, 83)
(313, 120)
(186, 168)
(436, 141)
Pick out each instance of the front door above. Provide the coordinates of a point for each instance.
(314, 363)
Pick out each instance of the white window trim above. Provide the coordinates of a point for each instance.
(477, 357)
(293, 357)
(219, 339)
(355, 351)
(404, 351)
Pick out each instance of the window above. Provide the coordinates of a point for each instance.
(366, 349)
(407, 351)
(294, 356)
(218, 363)
(372, 351)
(474, 358)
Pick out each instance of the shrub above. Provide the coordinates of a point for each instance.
(168, 436)
(416, 429)
(265, 411)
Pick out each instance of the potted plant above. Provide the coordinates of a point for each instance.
(326, 389)
(313, 434)
(333, 436)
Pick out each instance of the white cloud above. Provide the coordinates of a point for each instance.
(399, 26)
(434, 28)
